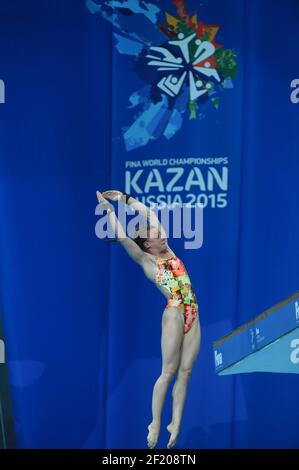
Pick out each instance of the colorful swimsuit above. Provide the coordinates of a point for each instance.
(172, 274)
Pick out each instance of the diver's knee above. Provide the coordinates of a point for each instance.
(184, 373)
(169, 371)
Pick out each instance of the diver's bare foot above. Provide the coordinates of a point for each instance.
(174, 432)
(152, 437)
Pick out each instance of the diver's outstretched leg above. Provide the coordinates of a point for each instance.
(171, 343)
(190, 349)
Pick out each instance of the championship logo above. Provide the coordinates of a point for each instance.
(181, 66)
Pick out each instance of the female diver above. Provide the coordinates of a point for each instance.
(180, 340)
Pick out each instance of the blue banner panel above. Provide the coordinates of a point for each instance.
(177, 91)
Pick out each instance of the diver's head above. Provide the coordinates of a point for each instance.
(150, 239)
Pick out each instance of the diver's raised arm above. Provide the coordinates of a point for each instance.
(144, 210)
(130, 246)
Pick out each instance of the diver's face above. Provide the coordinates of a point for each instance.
(156, 242)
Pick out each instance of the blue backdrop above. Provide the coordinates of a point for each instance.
(82, 325)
